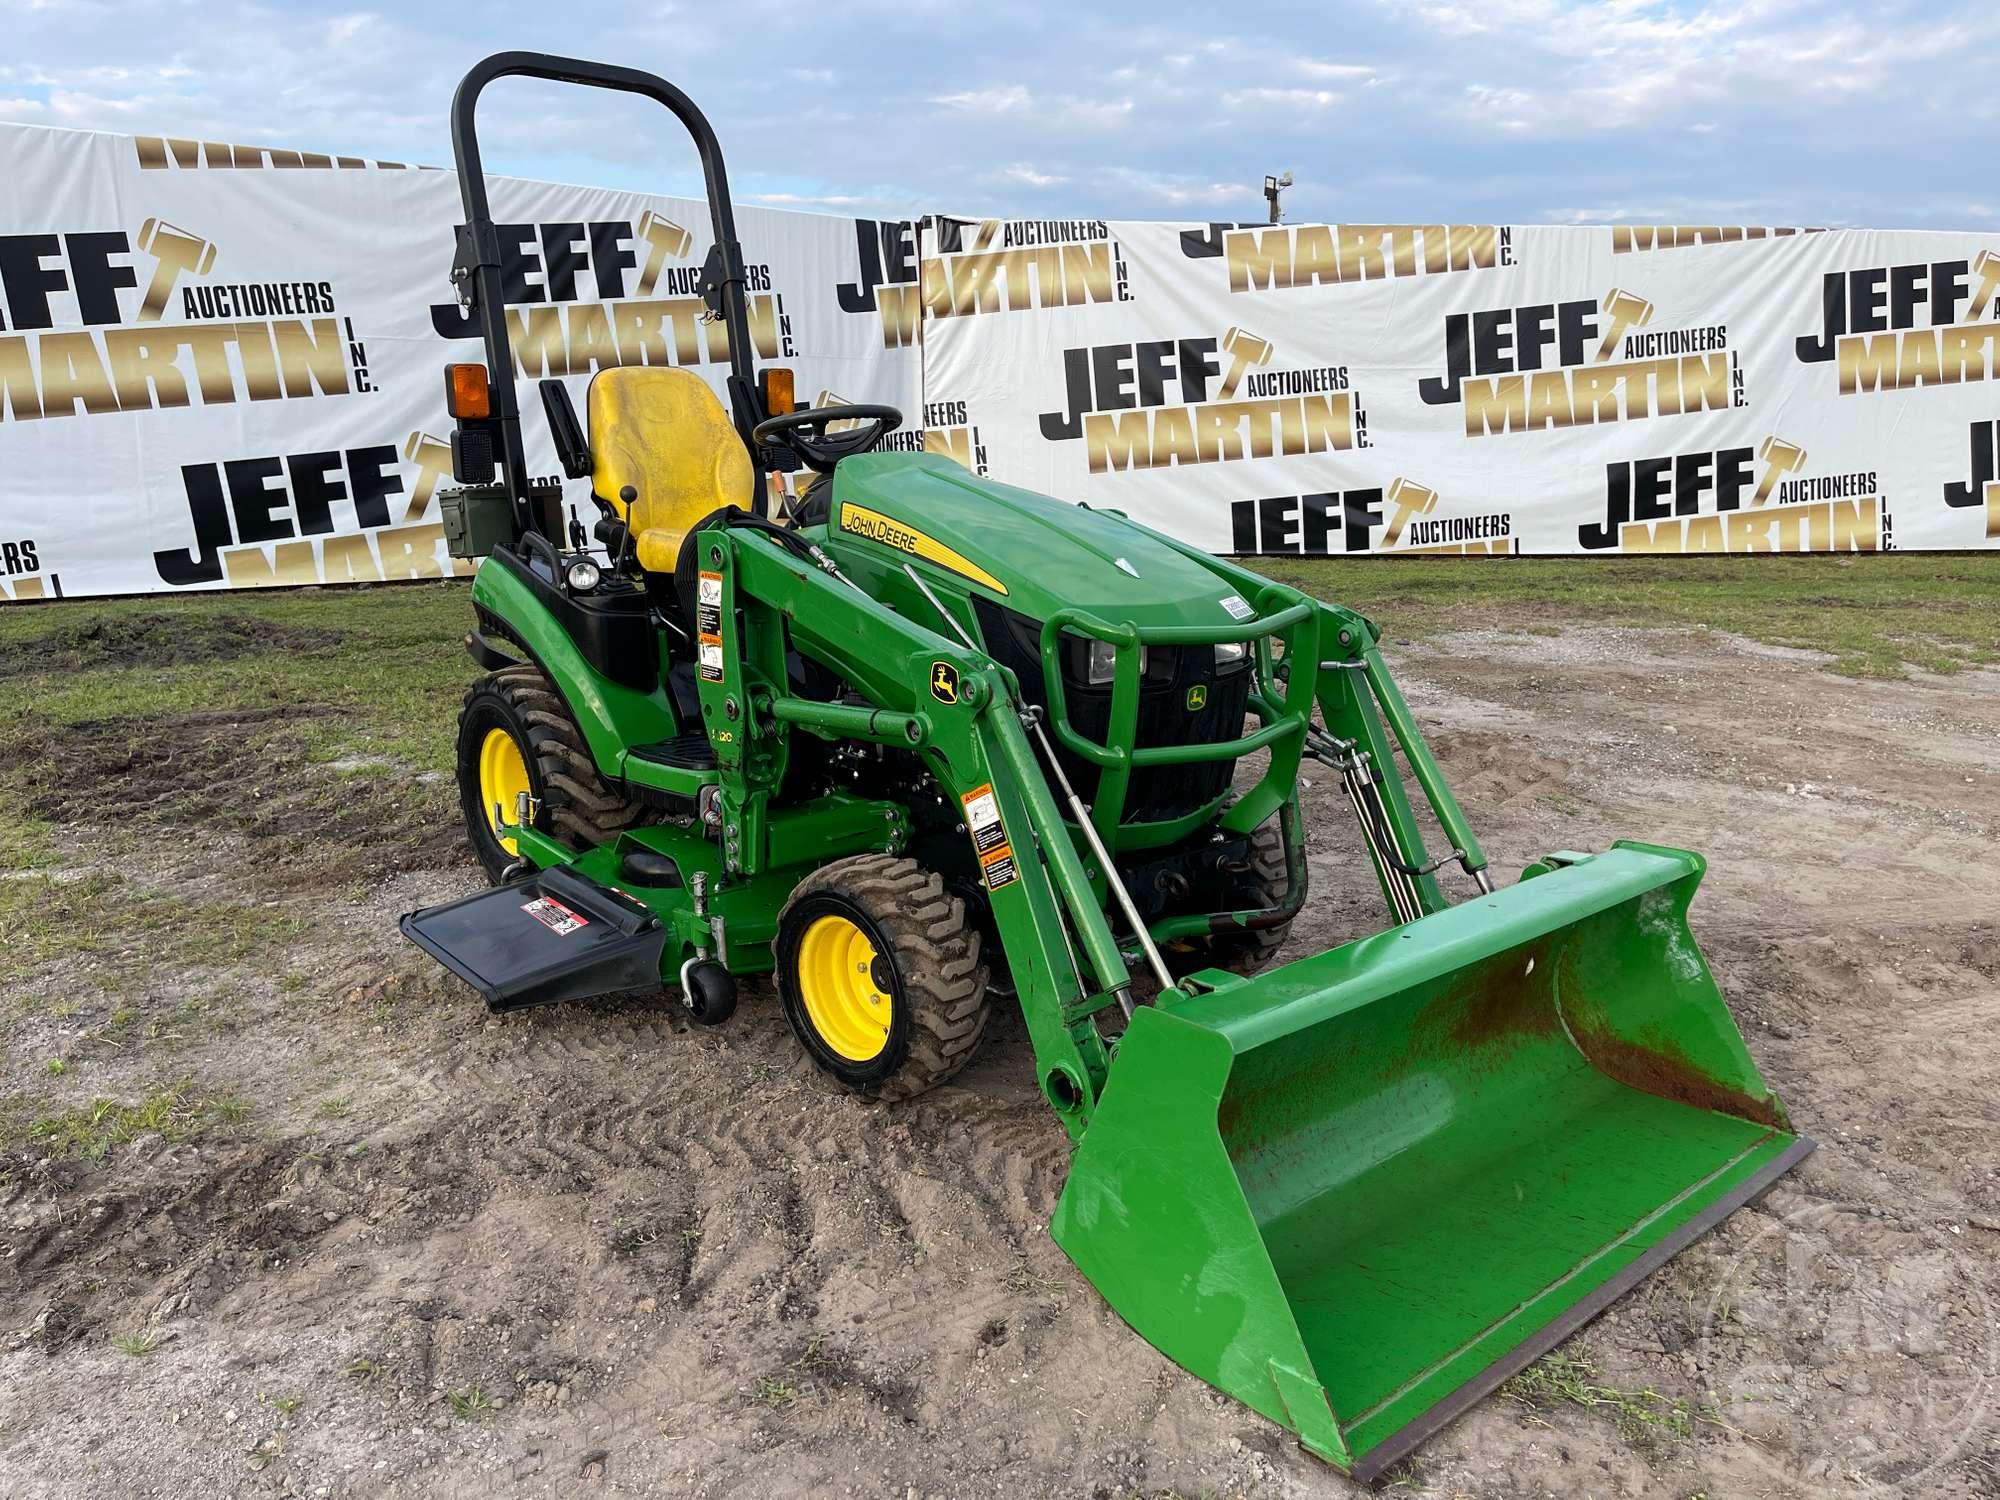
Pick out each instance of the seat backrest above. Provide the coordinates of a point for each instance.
(663, 432)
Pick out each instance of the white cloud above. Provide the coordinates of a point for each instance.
(813, 200)
(1313, 67)
(1287, 99)
(341, 30)
(1012, 100)
(1017, 102)
(1815, 111)
(1602, 66)
(1027, 176)
(1180, 192)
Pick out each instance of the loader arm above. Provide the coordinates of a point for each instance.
(1064, 958)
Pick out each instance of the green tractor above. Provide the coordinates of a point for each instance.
(924, 741)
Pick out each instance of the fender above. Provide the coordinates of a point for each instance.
(612, 716)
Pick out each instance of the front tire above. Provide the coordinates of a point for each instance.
(1267, 883)
(880, 975)
(516, 735)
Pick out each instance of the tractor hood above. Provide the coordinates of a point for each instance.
(1033, 554)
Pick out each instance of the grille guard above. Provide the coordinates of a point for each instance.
(1284, 702)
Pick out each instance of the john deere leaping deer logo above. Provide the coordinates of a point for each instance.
(1197, 697)
(944, 682)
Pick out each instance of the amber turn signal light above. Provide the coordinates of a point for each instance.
(465, 394)
(779, 397)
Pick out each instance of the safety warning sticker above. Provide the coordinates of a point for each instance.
(998, 868)
(708, 626)
(989, 837)
(553, 915)
(1237, 606)
(982, 819)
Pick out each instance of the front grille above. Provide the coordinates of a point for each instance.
(1157, 793)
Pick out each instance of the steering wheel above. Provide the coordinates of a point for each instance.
(804, 433)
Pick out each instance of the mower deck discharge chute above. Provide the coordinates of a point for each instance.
(920, 738)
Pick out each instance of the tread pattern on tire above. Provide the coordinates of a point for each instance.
(936, 953)
(1248, 951)
(577, 807)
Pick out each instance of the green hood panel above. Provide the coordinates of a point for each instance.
(1041, 553)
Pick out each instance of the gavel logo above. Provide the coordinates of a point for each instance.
(1411, 500)
(1625, 311)
(663, 238)
(177, 250)
(1780, 458)
(1987, 269)
(828, 398)
(432, 456)
(1246, 352)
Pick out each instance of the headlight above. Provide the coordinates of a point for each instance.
(1100, 661)
(1229, 654)
(583, 575)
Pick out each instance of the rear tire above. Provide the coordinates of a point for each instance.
(516, 712)
(880, 975)
(1245, 951)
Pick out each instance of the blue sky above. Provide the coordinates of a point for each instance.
(1510, 111)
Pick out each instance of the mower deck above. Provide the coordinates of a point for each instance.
(557, 935)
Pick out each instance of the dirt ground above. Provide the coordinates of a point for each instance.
(367, 1240)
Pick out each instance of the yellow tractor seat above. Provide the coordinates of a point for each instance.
(663, 432)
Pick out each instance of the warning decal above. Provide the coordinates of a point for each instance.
(708, 626)
(989, 837)
(553, 915)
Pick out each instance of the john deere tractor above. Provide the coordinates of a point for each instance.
(915, 743)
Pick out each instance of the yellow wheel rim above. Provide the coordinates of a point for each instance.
(503, 776)
(836, 972)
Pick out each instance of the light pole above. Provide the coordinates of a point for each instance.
(1272, 187)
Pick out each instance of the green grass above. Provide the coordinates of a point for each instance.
(173, 1111)
(471, 1404)
(1877, 616)
(138, 1345)
(391, 658)
(776, 1392)
(1650, 1421)
(49, 917)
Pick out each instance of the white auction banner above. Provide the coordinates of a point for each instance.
(222, 366)
(1382, 388)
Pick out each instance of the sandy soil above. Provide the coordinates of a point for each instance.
(590, 1247)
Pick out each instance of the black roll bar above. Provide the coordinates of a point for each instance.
(479, 251)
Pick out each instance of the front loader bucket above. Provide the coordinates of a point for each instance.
(1359, 1191)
